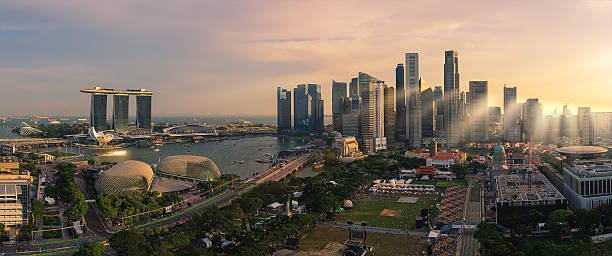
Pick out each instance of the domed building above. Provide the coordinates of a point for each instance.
(190, 166)
(499, 155)
(128, 175)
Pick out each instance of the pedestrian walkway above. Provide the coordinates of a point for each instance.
(374, 229)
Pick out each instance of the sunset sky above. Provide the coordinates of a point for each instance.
(227, 57)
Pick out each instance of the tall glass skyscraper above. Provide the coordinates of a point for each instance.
(428, 123)
(97, 115)
(354, 87)
(389, 116)
(400, 104)
(512, 114)
(532, 120)
(301, 107)
(283, 109)
(413, 96)
(339, 93)
(452, 118)
(371, 113)
(479, 111)
(120, 112)
(308, 108)
(143, 112)
(317, 113)
(438, 97)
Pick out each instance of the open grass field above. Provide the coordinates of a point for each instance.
(383, 244)
(368, 208)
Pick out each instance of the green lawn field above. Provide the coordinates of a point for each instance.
(383, 244)
(368, 208)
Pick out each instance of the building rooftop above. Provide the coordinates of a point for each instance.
(100, 90)
(582, 150)
(526, 188)
(591, 168)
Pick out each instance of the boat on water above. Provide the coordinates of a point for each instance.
(241, 162)
(156, 149)
(264, 160)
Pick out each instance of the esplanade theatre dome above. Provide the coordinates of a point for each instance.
(198, 167)
(128, 175)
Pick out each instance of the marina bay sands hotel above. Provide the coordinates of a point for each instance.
(121, 100)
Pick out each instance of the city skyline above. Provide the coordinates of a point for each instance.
(52, 50)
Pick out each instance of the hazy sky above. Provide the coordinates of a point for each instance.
(227, 57)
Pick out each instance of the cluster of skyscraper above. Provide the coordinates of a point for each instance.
(413, 115)
(308, 111)
(121, 100)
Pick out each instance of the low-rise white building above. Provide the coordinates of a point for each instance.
(587, 184)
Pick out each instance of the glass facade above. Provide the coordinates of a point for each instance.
(452, 122)
(300, 108)
(283, 109)
(143, 112)
(400, 103)
(120, 112)
(339, 93)
(97, 116)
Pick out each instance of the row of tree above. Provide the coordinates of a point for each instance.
(562, 224)
(231, 223)
(67, 191)
(134, 202)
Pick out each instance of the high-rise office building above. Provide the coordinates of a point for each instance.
(283, 109)
(532, 120)
(371, 114)
(380, 141)
(464, 118)
(428, 108)
(97, 115)
(400, 104)
(452, 115)
(438, 96)
(317, 113)
(301, 109)
(389, 115)
(143, 112)
(354, 87)
(339, 93)
(495, 123)
(413, 101)
(569, 123)
(552, 127)
(350, 117)
(479, 111)
(512, 115)
(602, 125)
(585, 126)
(120, 112)
(308, 108)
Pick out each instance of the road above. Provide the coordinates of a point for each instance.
(473, 215)
(273, 174)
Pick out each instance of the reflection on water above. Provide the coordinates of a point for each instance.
(231, 156)
(115, 153)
